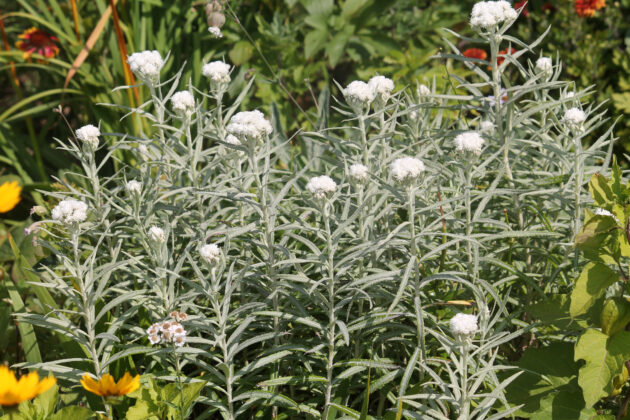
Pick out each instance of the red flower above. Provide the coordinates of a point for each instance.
(500, 59)
(37, 41)
(475, 53)
(520, 4)
(587, 8)
(548, 6)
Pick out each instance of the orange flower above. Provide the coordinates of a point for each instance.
(9, 196)
(13, 391)
(475, 53)
(107, 387)
(587, 8)
(500, 59)
(38, 41)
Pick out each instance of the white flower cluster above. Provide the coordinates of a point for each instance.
(88, 134)
(358, 172)
(157, 235)
(215, 32)
(70, 211)
(489, 14)
(249, 126)
(603, 212)
(423, 91)
(574, 118)
(321, 186)
(219, 74)
(359, 96)
(210, 253)
(470, 142)
(544, 66)
(183, 103)
(134, 187)
(146, 65)
(407, 169)
(167, 332)
(486, 127)
(231, 139)
(382, 88)
(463, 325)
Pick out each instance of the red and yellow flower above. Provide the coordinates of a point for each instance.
(587, 8)
(38, 41)
(477, 53)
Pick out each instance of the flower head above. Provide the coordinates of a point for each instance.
(382, 88)
(37, 41)
(359, 96)
(574, 118)
(134, 187)
(477, 53)
(406, 169)
(423, 91)
(146, 65)
(14, 391)
(219, 74)
(488, 15)
(9, 196)
(233, 140)
(358, 172)
(167, 332)
(157, 235)
(215, 31)
(210, 253)
(106, 386)
(463, 324)
(70, 211)
(470, 142)
(249, 126)
(544, 66)
(321, 186)
(88, 134)
(486, 127)
(587, 8)
(183, 103)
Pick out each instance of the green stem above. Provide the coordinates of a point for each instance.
(331, 311)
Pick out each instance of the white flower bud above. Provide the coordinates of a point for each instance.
(146, 65)
(488, 15)
(463, 325)
(321, 186)
(406, 169)
(134, 187)
(359, 96)
(358, 172)
(574, 118)
(470, 142)
(215, 32)
(219, 74)
(89, 134)
(183, 103)
(210, 253)
(249, 126)
(70, 211)
(157, 235)
(382, 88)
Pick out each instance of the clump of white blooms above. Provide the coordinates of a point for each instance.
(215, 32)
(156, 234)
(406, 169)
(486, 127)
(144, 151)
(423, 91)
(358, 172)
(219, 74)
(321, 186)
(574, 118)
(463, 325)
(134, 187)
(470, 142)
(544, 66)
(146, 65)
(88, 134)
(382, 88)
(167, 332)
(70, 211)
(603, 212)
(249, 126)
(210, 253)
(183, 103)
(489, 15)
(570, 94)
(358, 95)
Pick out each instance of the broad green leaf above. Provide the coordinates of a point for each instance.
(241, 52)
(590, 286)
(595, 232)
(604, 358)
(615, 315)
(600, 190)
(74, 413)
(314, 41)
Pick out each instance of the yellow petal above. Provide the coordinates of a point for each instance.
(26, 387)
(9, 196)
(128, 384)
(91, 385)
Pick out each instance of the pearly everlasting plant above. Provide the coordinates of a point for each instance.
(146, 65)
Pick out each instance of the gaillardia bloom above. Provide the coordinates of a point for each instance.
(13, 391)
(587, 8)
(38, 41)
(9, 196)
(107, 387)
(477, 53)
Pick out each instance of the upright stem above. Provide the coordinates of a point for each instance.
(179, 384)
(417, 302)
(578, 185)
(464, 406)
(472, 263)
(496, 85)
(364, 143)
(331, 310)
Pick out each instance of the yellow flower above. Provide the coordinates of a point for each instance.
(9, 196)
(107, 387)
(29, 386)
